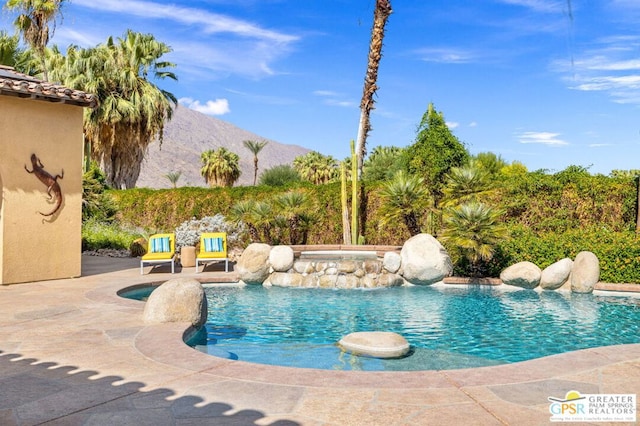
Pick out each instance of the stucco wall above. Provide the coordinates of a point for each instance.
(35, 247)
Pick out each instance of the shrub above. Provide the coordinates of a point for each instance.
(101, 235)
(281, 175)
(188, 233)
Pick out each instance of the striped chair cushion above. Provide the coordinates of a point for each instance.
(160, 245)
(213, 245)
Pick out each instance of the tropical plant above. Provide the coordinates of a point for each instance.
(316, 168)
(96, 204)
(382, 163)
(173, 177)
(489, 162)
(242, 212)
(9, 50)
(466, 183)
(293, 206)
(220, 167)
(36, 22)
(281, 175)
(404, 199)
(473, 231)
(380, 15)
(131, 110)
(255, 148)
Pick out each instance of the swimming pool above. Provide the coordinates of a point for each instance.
(447, 327)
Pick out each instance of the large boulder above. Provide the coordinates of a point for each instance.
(556, 275)
(253, 266)
(281, 258)
(424, 260)
(378, 344)
(177, 300)
(522, 274)
(585, 273)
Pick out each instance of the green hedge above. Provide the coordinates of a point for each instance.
(617, 251)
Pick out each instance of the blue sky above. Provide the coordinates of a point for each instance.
(526, 79)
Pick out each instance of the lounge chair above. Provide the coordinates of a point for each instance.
(161, 249)
(213, 248)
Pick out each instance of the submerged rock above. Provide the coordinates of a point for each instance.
(378, 344)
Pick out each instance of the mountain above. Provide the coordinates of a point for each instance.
(189, 133)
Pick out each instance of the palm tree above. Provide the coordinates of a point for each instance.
(9, 51)
(132, 110)
(404, 199)
(380, 16)
(255, 148)
(473, 229)
(467, 183)
(34, 23)
(241, 212)
(220, 167)
(316, 168)
(382, 163)
(173, 177)
(293, 205)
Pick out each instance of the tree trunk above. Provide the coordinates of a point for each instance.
(380, 16)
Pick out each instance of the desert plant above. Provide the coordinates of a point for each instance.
(188, 233)
(473, 230)
(405, 200)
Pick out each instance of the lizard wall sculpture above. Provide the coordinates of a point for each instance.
(53, 188)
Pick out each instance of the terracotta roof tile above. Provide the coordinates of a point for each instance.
(14, 83)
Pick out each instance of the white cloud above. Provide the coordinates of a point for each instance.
(545, 6)
(543, 138)
(217, 107)
(334, 99)
(473, 124)
(446, 55)
(452, 124)
(612, 67)
(211, 22)
(598, 145)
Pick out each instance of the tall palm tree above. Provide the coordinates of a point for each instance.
(404, 199)
(255, 148)
(220, 167)
(36, 22)
(131, 110)
(380, 16)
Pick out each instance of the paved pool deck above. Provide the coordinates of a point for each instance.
(74, 353)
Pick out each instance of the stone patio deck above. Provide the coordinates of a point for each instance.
(74, 353)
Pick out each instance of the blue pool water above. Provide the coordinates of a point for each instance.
(448, 328)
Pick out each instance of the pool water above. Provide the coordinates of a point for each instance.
(448, 328)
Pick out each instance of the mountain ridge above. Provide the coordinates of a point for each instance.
(189, 133)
